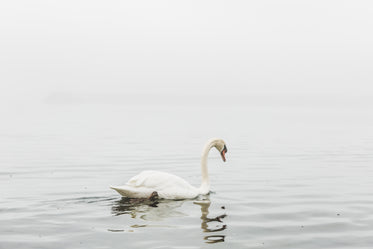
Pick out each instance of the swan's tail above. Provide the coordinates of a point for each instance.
(131, 192)
(122, 190)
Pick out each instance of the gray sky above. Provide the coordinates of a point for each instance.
(184, 47)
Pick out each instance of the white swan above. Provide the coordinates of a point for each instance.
(169, 186)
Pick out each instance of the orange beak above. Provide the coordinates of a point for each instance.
(222, 153)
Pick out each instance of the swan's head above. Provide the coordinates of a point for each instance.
(219, 144)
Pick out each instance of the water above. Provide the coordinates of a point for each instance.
(296, 176)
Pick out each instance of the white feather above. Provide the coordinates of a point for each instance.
(168, 186)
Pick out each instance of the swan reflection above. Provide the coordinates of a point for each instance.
(156, 210)
(206, 220)
(147, 209)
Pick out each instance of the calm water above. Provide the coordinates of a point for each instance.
(295, 176)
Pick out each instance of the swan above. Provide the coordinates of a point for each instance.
(168, 186)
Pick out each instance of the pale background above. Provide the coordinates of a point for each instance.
(92, 92)
(99, 48)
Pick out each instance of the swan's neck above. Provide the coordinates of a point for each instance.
(205, 185)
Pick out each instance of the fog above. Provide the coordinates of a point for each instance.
(192, 48)
(93, 92)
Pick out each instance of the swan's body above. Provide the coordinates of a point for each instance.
(170, 186)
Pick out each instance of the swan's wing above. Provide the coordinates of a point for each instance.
(167, 185)
(145, 178)
(157, 179)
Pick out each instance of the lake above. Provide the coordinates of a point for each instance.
(298, 173)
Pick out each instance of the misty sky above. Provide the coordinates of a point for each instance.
(184, 47)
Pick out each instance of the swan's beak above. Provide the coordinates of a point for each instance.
(222, 153)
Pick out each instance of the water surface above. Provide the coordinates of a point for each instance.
(295, 176)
